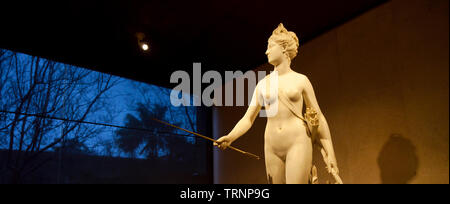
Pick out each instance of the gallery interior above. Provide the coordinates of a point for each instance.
(82, 81)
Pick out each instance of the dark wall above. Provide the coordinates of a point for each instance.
(87, 169)
(381, 81)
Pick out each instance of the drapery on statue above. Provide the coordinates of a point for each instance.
(289, 135)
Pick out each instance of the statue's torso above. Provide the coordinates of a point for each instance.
(285, 129)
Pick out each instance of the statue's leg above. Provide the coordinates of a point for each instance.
(298, 163)
(275, 168)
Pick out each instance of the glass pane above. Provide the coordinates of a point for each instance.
(65, 124)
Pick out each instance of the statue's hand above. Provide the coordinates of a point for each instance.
(334, 168)
(331, 163)
(223, 142)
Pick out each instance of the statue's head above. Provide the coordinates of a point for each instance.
(282, 45)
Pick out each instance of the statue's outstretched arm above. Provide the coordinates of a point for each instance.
(244, 124)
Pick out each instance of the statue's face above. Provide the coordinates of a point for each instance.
(274, 53)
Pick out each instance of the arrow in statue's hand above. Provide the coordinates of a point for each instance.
(207, 138)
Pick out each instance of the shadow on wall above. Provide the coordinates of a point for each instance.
(397, 160)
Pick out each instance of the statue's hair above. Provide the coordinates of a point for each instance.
(286, 39)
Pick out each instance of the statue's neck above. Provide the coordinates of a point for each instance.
(283, 68)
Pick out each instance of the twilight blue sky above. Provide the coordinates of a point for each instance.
(121, 100)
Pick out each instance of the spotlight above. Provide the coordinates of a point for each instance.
(144, 46)
(142, 41)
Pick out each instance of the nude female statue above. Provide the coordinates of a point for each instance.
(288, 147)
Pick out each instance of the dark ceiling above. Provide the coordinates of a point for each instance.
(222, 35)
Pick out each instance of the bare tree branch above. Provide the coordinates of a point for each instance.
(40, 86)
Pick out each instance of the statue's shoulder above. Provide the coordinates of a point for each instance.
(299, 76)
(263, 79)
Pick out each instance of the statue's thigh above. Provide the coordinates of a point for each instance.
(298, 163)
(275, 168)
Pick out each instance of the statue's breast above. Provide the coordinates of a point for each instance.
(293, 94)
(269, 98)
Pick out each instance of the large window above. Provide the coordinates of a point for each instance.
(65, 124)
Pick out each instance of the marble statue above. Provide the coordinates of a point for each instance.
(289, 135)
